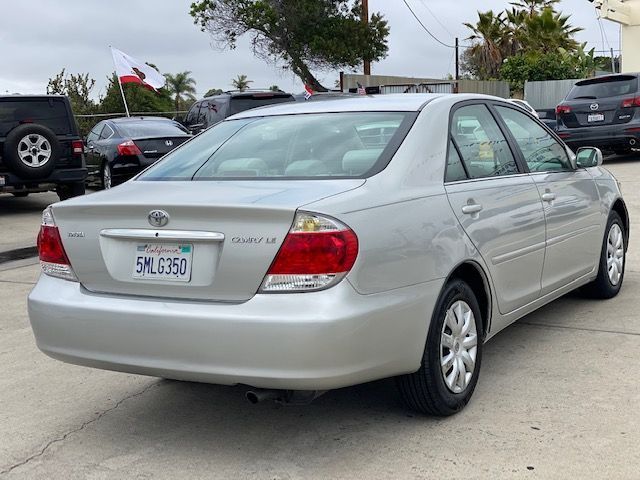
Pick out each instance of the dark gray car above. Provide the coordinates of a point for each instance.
(602, 112)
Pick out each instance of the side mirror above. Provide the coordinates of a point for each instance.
(587, 157)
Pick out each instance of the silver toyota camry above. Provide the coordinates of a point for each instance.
(311, 246)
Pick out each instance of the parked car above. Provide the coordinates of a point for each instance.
(119, 148)
(291, 254)
(40, 147)
(548, 117)
(602, 111)
(211, 110)
(524, 105)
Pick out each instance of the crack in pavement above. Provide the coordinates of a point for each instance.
(63, 437)
(584, 329)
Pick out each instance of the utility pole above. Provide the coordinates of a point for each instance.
(613, 62)
(457, 59)
(365, 20)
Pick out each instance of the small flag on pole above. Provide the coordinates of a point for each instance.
(131, 70)
(308, 92)
(361, 90)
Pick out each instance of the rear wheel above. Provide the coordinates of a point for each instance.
(451, 361)
(70, 190)
(612, 261)
(107, 179)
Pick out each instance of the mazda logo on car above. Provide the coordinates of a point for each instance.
(594, 106)
(168, 143)
(158, 218)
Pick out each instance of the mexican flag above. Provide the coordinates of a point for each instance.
(131, 70)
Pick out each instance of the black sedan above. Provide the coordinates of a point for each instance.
(119, 148)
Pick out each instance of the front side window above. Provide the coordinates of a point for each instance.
(325, 145)
(541, 151)
(192, 114)
(484, 149)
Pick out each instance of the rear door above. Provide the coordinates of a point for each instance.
(570, 197)
(497, 204)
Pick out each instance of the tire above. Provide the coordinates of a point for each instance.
(106, 176)
(608, 285)
(426, 390)
(70, 190)
(31, 151)
(20, 194)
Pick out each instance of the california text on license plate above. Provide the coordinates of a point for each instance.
(596, 117)
(161, 261)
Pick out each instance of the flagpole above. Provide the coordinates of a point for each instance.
(124, 99)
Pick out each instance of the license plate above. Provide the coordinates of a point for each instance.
(595, 117)
(161, 261)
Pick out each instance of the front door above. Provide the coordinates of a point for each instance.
(570, 197)
(497, 205)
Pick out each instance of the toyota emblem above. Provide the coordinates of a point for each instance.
(158, 218)
(594, 106)
(168, 143)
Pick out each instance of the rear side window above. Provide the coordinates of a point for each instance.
(455, 168)
(326, 145)
(52, 113)
(484, 149)
(240, 104)
(604, 88)
(541, 151)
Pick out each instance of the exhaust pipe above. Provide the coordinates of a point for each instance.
(285, 397)
(260, 395)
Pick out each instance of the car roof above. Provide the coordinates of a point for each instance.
(401, 102)
(29, 96)
(607, 78)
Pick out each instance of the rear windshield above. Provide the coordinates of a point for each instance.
(51, 113)
(604, 88)
(240, 104)
(151, 129)
(327, 145)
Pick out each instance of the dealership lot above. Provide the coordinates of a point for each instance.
(557, 397)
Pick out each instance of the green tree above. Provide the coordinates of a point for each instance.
(532, 7)
(78, 88)
(304, 34)
(213, 91)
(182, 87)
(275, 88)
(241, 82)
(139, 99)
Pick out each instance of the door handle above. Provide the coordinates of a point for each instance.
(471, 208)
(548, 196)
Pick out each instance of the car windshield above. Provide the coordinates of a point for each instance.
(326, 145)
(150, 129)
(604, 88)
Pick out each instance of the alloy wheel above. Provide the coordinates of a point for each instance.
(458, 346)
(34, 150)
(615, 254)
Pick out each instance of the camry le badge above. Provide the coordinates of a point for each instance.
(158, 218)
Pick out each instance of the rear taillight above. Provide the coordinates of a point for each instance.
(316, 254)
(77, 147)
(560, 109)
(631, 102)
(128, 148)
(53, 258)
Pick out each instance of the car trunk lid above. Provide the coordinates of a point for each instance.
(229, 231)
(156, 147)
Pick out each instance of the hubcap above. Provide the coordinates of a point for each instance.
(458, 346)
(34, 150)
(106, 176)
(615, 254)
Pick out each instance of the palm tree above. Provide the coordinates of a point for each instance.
(241, 83)
(181, 84)
(547, 32)
(532, 7)
(489, 39)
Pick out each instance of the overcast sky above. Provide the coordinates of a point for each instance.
(40, 37)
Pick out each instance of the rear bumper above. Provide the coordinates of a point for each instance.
(10, 182)
(312, 341)
(615, 136)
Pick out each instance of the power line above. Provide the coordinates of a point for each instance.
(425, 28)
(424, 3)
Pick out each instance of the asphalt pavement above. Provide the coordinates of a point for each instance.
(558, 398)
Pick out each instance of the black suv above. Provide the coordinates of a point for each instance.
(602, 112)
(211, 110)
(40, 146)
